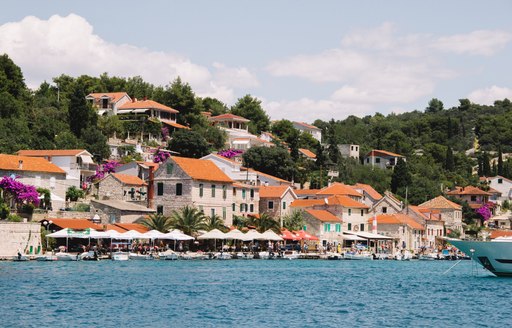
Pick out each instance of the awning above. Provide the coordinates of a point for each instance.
(369, 235)
(86, 159)
(240, 142)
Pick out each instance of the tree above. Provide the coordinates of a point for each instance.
(179, 95)
(271, 160)
(434, 105)
(294, 221)
(11, 78)
(282, 129)
(500, 161)
(214, 222)
(81, 115)
(214, 106)
(188, 219)
(264, 222)
(189, 143)
(73, 194)
(250, 108)
(67, 140)
(96, 143)
(401, 178)
(157, 222)
(450, 162)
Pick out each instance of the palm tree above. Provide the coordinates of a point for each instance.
(264, 222)
(157, 222)
(294, 221)
(188, 219)
(240, 222)
(214, 222)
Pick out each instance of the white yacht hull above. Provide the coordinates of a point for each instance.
(66, 257)
(495, 256)
(120, 256)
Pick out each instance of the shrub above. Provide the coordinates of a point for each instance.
(73, 193)
(14, 218)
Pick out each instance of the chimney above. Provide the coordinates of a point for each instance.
(20, 164)
(151, 187)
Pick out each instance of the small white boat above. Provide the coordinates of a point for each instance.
(264, 255)
(428, 257)
(46, 257)
(244, 256)
(403, 256)
(120, 256)
(223, 256)
(89, 256)
(62, 256)
(20, 257)
(138, 257)
(358, 256)
(168, 255)
(291, 255)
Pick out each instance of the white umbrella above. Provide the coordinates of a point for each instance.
(254, 235)
(235, 234)
(271, 235)
(154, 234)
(134, 234)
(213, 234)
(177, 235)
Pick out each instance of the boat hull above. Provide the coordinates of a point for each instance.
(495, 256)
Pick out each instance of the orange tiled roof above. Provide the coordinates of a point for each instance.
(398, 219)
(469, 190)
(500, 233)
(149, 104)
(78, 224)
(441, 202)
(272, 191)
(115, 96)
(245, 185)
(149, 164)
(222, 117)
(339, 189)
(309, 126)
(131, 226)
(307, 153)
(307, 202)
(369, 190)
(50, 152)
(426, 213)
(306, 191)
(270, 176)
(378, 152)
(323, 215)
(131, 180)
(345, 201)
(31, 164)
(174, 124)
(201, 169)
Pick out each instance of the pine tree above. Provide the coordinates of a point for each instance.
(500, 161)
(401, 178)
(449, 162)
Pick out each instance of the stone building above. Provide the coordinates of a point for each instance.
(117, 186)
(276, 200)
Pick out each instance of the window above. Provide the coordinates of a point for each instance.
(362, 227)
(384, 210)
(243, 193)
(368, 160)
(305, 227)
(201, 209)
(112, 218)
(349, 211)
(377, 160)
(349, 226)
(201, 190)
(252, 193)
(169, 167)
(241, 207)
(362, 212)
(473, 198)
(179, 189)
(338, 227)
(213, 212)
(351, 147)
(213, 191)
(224, 213)
(234, 191)
(160, 188)
(251, 207)
(224, 191)
(284, 205)
(160, 209)
(500, 180)
(270, 205)
(327, 227)
(233, 207)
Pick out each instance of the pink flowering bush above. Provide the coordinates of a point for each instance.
(484, 212)
(20, 193)
(165, 133)
(102, 170)
(160, 156)
(230, 153)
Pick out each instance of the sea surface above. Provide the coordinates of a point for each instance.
(252, 293)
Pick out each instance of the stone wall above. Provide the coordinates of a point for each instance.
(24, 237)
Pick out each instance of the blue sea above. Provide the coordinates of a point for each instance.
(252, 293)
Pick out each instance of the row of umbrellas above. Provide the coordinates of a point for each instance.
(236, 234)
(113, 234)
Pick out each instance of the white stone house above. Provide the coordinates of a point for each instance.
(181, 181)
(382, 159)
(276, 200)
(246, 199)
(451, 213)
(137, 169)
(503, 185)
(37, 172)
(408, 233)
(349, 150)
(77, 163)
(108, 103)
(308, 128)
(323, 224)
(432, 222)
(238, 136)
(128, 188)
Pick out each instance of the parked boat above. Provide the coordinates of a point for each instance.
(223, 256)
(244, 256)
(120, 256)
(428, 257)
(140, 257)
(46, 257)
(403, 255)
(89, 256)
(358, 256)
(495, 255)
(62, 256)
(20, 257)
(168, 255)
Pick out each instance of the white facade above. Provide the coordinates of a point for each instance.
(502, 185)
(307, 128)
(351, 151)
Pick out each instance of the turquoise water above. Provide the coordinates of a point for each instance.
(254, 293)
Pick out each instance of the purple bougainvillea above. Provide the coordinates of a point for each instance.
(485, 212)
(165, 133)
(230, 153)
(102, 170)
(21, 193)
(160, 156)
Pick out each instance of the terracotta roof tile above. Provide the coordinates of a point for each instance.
(398, 219)
(29, 164)
(147, 104)
(51, 152)
(441, 202)
(345, 201)
(174, 124)
(469, 190)
(309, 126)
(131, 226)
(369, 190)
(78, 224)
(115, 96)
(500, 233)
(306, 191)
(131, 180)
(201, 169)
(307, 152)
(272, 191)
(307, 202)
(378, 152)
(231, 117)
(323, 215)
(339, 189)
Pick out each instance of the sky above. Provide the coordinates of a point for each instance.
(305, 60)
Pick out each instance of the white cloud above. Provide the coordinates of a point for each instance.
(67, 45)
(482, 42)
(487, 96)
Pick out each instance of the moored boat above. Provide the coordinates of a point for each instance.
(62, 256)
(120, 256)
(358, 256)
